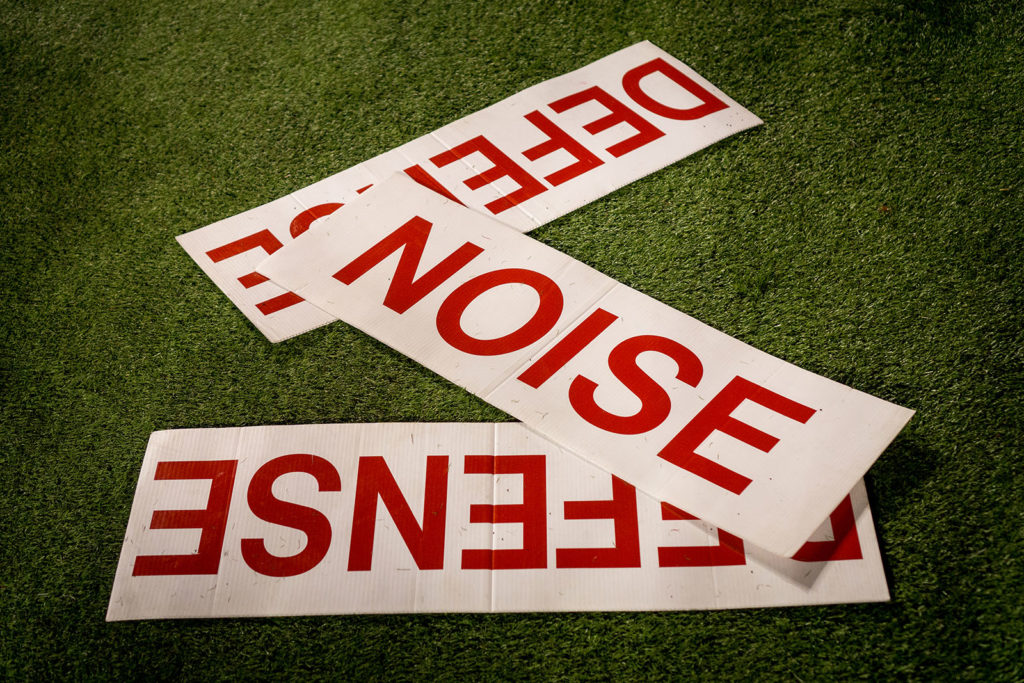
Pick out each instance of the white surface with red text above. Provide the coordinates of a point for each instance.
(687, 414)
(526, 160)
(383, 518)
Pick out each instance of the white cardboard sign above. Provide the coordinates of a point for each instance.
(526, 160)
(687, 414)
(383, 518)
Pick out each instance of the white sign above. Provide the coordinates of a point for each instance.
(526, 160)
(378, 518)
(689, 415)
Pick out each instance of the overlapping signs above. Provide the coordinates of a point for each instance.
(525, 161)
(687, 414)
(428, 256)
(377, 518)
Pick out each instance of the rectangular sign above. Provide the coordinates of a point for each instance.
(687, 414)
(526, 160)
(385, 518)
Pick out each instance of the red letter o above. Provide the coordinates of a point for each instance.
(449, 315)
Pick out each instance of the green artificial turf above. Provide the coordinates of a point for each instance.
(871, 231)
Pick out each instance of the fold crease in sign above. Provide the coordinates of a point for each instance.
(525, 161)
(687, 414)
(401, 518)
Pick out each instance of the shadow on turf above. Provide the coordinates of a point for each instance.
(907, 466)
(901, 472)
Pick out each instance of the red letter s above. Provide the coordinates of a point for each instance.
(655, 403)
(307, 520)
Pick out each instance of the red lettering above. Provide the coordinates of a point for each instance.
(426, 543)
(631, 84)
(567, 348)
(717, 415)
(252, 279)
(405, 290)
(303, 220)
(503, 166)
(622, 510)
(212, 520)
(845, 544)
(311, 522)
(531, 513)
(549, 308)
(729, 550)
(618, 113)
(265, 240)
(270, 244)
(655, 404)
(559, 139)
(279, 302)
(428, 181)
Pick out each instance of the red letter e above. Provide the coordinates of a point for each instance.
(212, 520)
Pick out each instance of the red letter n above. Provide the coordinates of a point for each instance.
(405, 289)
(426, 543)
(212, 521)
